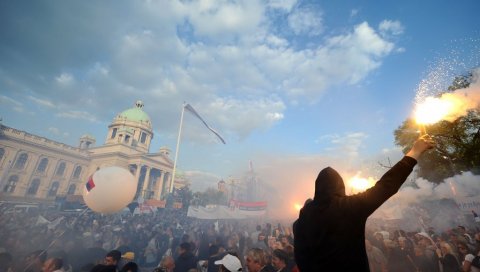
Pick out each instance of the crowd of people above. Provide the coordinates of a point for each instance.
(168, 240)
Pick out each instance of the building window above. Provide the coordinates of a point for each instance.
(32, 190)
(77, 172)
(21, 161)
(127, 138)
(71, 189)
(60, 170)
(2, 153)
(114, 133)
(53, 189)
(42, 166)
(143, 138)
(11, 184)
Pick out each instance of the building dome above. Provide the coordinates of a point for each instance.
(135, 114)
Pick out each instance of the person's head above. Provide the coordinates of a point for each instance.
(213, 250)
(255, 259)
(229, 263)
(167, 263)
(279, 259)
(261, 236)
(113, 257)
(103, 268)
(329, 183)
(284, 240)
(445, 248)
(185, 247)
(461, 230)
(52, 264)
(463, 248)
(130, 267)
(419, 250)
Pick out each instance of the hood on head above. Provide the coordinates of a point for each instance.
(328, 184)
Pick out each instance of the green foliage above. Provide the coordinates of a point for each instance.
(210, 196)
(457, 143)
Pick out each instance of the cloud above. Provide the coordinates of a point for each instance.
(42, 102)
(391, 27)
(222, 56)
(306, 21)
(71, 114)
(64, 79)
(238, 118)
(286, 5)
(353, 13)
(54, 130)
(6, 101)
(224, 20)
(347, 145)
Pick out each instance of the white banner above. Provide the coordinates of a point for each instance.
(221, 212)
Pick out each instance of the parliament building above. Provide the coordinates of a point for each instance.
(39, 170)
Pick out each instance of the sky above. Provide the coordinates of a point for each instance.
(292, 86)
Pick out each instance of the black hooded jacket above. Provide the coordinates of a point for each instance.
(330, 231)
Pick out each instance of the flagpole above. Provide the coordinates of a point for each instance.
(176, 150)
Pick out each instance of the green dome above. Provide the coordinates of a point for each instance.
(135, 114)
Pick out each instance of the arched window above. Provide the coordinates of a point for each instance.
(32, 190)
(42, 166)
(2, 153)
(71, 189)
(77, 172)
(60, 170)
(21, 161)
(11, 184)
(53, 189)
(114, 133)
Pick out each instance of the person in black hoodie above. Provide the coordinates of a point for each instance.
(329, 234)
(186, 260)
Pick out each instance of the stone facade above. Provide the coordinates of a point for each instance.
(37, 169)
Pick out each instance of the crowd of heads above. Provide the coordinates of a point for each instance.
(451, 250)
(169, 241)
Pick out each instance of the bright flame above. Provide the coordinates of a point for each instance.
(358, 184)
(433, 110)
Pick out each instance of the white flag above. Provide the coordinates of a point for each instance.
(42, 220)
(190, 109)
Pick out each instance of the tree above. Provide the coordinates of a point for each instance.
(210, 196)
(457, 143)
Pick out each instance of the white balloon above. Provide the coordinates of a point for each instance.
(109, 189)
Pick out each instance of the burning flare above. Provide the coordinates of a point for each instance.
(358, 184)
(433, 110)
(448, 107)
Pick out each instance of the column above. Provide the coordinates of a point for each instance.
(159, 189)
(146, 182)
(137, 178)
